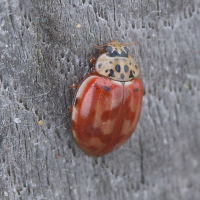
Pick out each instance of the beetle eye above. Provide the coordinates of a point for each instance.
(108, 49)
(125, 48)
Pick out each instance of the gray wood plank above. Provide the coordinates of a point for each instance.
(42, 52)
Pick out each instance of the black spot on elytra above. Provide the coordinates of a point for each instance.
(106, 71)
(134, 72)
(122, 76)
(130, 63)
(106, 88)
(117, 67)
(136, 66)
(136, 89)
(111, 73)
(126, 68)
(131, 74)
(111, 62)
(99, 65)
(76, 101)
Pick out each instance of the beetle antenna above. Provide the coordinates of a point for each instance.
(105, 45)
(100, 47)
(130, 44)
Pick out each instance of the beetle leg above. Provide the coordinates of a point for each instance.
(92, 60)
(93, 70)
(69, 109)
(102, 50)
(74, 86)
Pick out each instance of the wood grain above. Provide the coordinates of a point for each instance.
(43, 51)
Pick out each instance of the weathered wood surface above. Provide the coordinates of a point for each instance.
(42, 52)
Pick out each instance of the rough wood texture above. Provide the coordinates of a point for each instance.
(42, 52)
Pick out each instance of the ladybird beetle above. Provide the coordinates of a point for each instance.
(107, 104)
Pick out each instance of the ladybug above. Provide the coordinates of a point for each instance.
(107, 104)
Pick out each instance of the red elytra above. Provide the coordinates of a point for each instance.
(108, 102)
